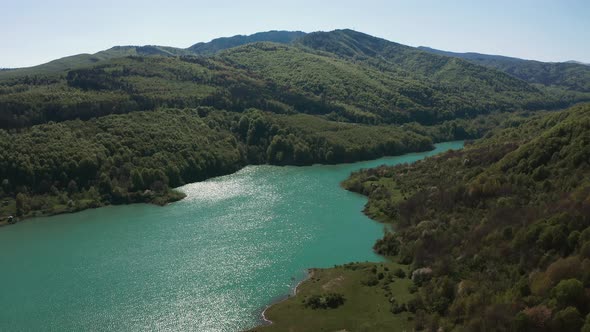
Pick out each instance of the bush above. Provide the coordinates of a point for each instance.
(415, 304)
(371, 281)
(324, 301)
(400, 273)
(397, 308)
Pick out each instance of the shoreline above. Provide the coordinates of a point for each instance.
(267, 321)
(40, 214)
(269, 317)
(310, 274)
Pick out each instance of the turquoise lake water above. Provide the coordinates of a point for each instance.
(210, 262)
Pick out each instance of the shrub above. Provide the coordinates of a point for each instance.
(415, 304)
(324, 301)
(397, 308)
(371, 281)
(399, 273)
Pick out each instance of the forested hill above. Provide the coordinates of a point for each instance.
(569, 75)
(501, 229)
(58, 66)
(131, 122)
(220, 44)
(341, 75)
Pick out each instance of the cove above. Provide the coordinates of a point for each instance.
(211, 262)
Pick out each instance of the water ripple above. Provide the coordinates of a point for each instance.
(207, 263)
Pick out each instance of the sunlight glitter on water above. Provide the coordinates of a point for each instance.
(211, 262)
(239, 184)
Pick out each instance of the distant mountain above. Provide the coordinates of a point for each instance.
(219, 44)
(385, 54)
(346, 44)
(81, 60)
(578, 62)
(340, 75)
(112, 127)
(472, 55)
(568, 75)
(209, 48)
(378, 80)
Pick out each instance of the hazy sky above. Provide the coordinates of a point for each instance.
(37, 31)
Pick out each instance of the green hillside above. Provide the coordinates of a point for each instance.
(58, 66)
(220, 44)
(139, 156)
(495, 237)
(568, 75)
(323, 97)
(382, 82)
(393, 91)
(500, 229)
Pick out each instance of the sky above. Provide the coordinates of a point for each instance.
(37, 31)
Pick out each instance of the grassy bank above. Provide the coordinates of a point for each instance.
(371, 291)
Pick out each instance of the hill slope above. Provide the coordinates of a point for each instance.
(220, 44)
(139, 156)
(341, 75)
(58, 66)
(503, 226)
(569, 75)
(327, 97)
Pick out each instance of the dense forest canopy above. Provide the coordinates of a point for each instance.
(500, 232)
(139, 156)
(568, 75)
(341, 75)
(129, 123)
(503, 227)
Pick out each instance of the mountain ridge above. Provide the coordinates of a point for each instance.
(222, 43)
(201, 48)
(318, 74)
(572, 76)
(493, 237)
(262, 102)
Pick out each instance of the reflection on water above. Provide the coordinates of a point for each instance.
(210, 262)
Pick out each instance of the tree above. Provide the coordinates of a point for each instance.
(22, 205)
(568, 319)
(569, 292)
(72, 187)
(137, 180)
(105, 186)
(325, 301)
(586, 327)
(87, 170)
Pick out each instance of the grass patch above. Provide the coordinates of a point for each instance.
(368, 290)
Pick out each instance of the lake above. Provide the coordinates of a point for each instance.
(211, 262)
